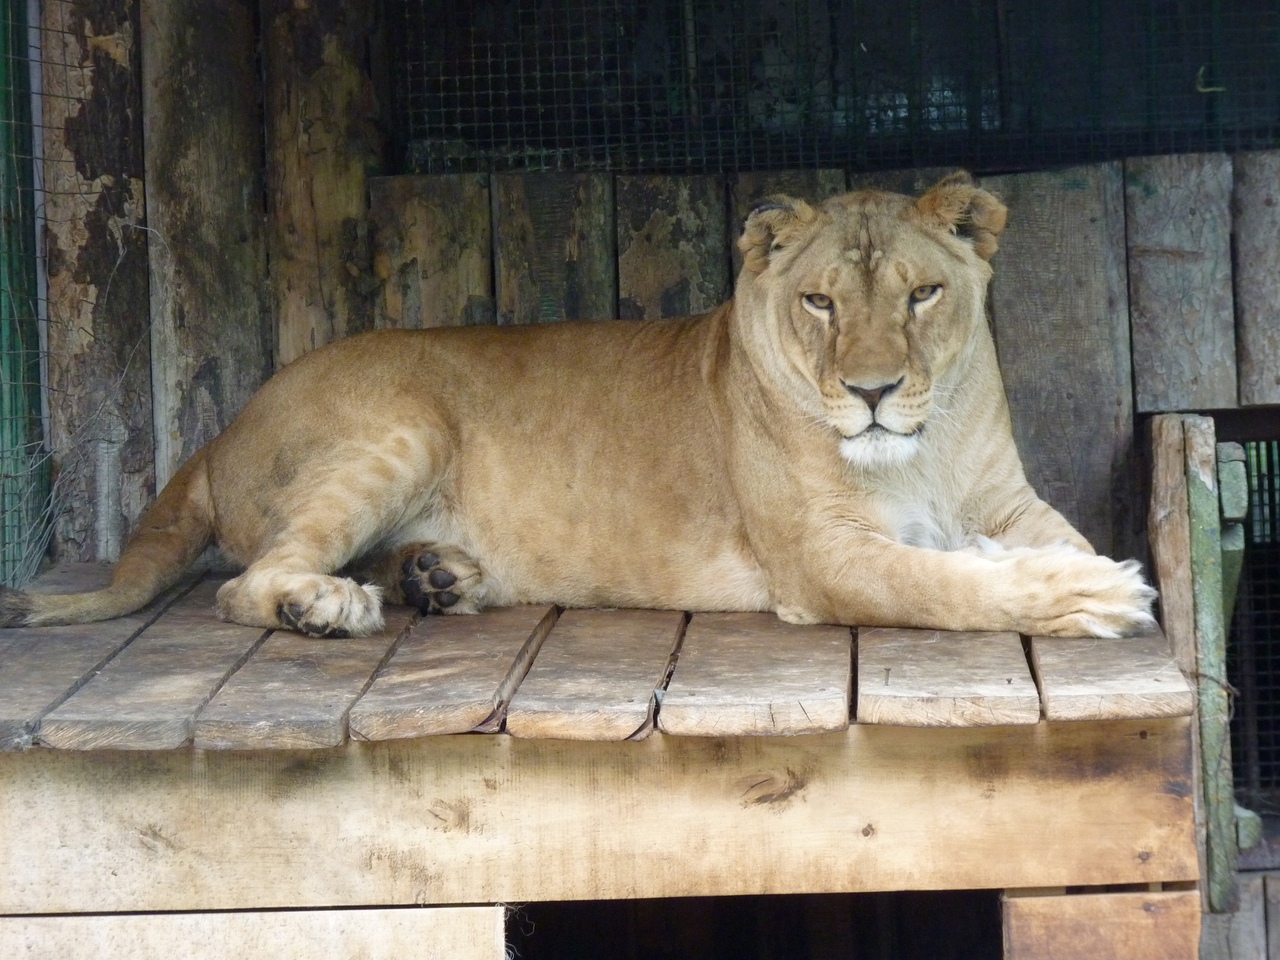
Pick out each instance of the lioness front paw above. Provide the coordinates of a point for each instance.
(438, 579)
(335, 607)
(1067, 593)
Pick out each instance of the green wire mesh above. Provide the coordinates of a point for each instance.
(24, 486)
(684, 86)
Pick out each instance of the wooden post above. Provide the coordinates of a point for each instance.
(322, 142)
(1211, 679)
(210, 333)
(96, 247)
(1061, 318)
(1178, 219)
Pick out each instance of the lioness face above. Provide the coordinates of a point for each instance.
(871, 299)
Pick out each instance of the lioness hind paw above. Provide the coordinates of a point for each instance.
(440, 580)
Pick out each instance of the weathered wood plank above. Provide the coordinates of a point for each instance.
(1103, 926)
(451, 674)
(1255, 215)
(554, 247)
(673, 246)
(595, 676)
(148, 696)
(1061, 317)
(1178, 217)
(750, 674)
(749, 188)
(1214, 704)
(42, 666)
(1169, 534)
(100, 416)
(930, 678)
(211, 337)
(499, 819)
(295, 692)
(439, 933)
(1090, 679)
(432, 251)
(322, 141)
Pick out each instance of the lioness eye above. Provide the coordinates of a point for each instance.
(921, 294)
(819, 301)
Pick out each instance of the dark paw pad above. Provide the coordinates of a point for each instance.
(426, 584)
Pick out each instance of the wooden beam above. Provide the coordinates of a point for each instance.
(96, 248)
(439, 933)
(211, 337)
(499, 819)
(1178, 221)
(1061, 318)
(322, 143)
(1103, 926)
(673, 246)
(432, 251)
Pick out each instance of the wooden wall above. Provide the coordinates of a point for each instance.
(266, 231)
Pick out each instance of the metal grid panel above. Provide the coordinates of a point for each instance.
(707, 85)
(1253, 647)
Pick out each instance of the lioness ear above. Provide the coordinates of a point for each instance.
(958, 204)
(774, 223)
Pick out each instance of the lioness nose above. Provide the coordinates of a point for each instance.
(873, 395)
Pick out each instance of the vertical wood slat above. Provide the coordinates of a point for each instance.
(749, 188)
(1060, 312)
(673, 246)
(1255, 215)
(1178, 213)
(147, 698)
(432, 251)
(210, 333)
(1211, 673)
(322, 140)
(95, 232)
(553, 236)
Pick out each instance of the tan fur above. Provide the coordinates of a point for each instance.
(730, 461)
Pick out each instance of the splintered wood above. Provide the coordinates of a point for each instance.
(745, 674)
(1090, 679)
(924, 678)
(596, 675)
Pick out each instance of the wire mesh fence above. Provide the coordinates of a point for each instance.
(708, 85)
(1253, 648)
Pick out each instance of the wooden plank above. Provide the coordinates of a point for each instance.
(1090, 679)
(1233, 481)
(673, 246)
(1255, 213)
(95, 235)
(913, 182)
(931, 678)
(553, 236)
(211, 337)
(1061, 316)
(1212, 698)
(595, 676)
(497, 819)
(1103, 926)
(1178, 216)
(148, 696)
(295, 692)
(322, 141)
(750, 674)
(40, 667)
(439, 933)
(451, 674)
(748, 188)
(432, 251)
(1271, 907)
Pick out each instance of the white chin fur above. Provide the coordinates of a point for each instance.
(879, 448)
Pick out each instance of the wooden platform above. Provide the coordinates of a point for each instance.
(178, 764)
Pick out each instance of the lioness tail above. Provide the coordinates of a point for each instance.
(170, 535)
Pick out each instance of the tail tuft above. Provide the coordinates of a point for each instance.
(15, 608)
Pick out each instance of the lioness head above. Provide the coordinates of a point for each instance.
(866, 302)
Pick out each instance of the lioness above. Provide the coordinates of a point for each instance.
(833, 444)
